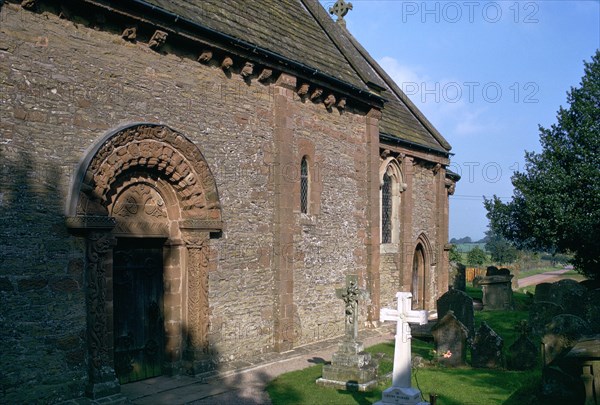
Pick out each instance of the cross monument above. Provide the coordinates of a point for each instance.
(340, 9)
(351, 295)
(401, 393)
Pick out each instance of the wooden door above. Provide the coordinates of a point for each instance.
(138, 309)
(418, 279)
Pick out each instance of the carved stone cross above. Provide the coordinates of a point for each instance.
(401, 392)
(351, 295)
(340, 9)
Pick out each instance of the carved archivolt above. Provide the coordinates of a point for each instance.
(155, 150)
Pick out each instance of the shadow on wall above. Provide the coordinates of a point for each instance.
(42, 310)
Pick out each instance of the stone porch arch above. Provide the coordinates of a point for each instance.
(146, 180)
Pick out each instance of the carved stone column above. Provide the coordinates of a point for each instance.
(198, 317)
(98, 279)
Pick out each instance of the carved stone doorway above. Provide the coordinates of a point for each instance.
(139, 185)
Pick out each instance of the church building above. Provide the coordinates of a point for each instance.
(185, 183)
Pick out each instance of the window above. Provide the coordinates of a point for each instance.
(386, 209)
(304, 186)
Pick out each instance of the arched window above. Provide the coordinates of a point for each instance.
(304, 180)
(386, 209)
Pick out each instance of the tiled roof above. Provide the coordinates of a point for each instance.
(285, 27)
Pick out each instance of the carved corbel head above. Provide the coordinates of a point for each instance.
(385, 153)
(158, 40)
(265, 75)
(205, 56)
(247, 70)
(329, 101)
(129, 34)
(436, 168)
(303, 89)
(316, 94)
(28, 4)
(342, 103)
(227, 63)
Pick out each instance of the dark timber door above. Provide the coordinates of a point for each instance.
(138, 309)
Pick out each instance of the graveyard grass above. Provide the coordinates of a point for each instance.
(460, 386)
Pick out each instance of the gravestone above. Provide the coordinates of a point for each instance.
(543, 292)
(487, 348)
(450, 338)
(540, 314)
(462, 306)
(351, 367)
(497, 289)
(401, 392)
(523, 353)
(561, 334)
(569, 294)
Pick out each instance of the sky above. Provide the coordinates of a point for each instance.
(486, 74)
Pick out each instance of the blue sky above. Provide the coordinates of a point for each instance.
(485, 73)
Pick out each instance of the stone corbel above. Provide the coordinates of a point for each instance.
(303, 90)
(205, 56)
(450, 186)
(158, 40)
(29, 4)
(341, 105)
(129, 34)
(316, 94)
(329, 101)
(265, 75)
(436, 168)
(227, 63)
(247, 70)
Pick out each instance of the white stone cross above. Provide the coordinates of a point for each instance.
(401, 392)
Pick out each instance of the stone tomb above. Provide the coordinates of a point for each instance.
(401, 393)
(450, 337)
(351, 367)
(497, 289)
(462, 307)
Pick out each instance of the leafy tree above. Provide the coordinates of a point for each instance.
(556, 202)
(476, 257)
(455, 255)
(501, 251)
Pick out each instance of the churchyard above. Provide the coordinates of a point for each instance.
(510, 370)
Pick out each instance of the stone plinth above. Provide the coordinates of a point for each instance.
(401, 396)
(351, 368)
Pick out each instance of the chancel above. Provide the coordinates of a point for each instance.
(401, 392)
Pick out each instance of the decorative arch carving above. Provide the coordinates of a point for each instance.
(146, 180)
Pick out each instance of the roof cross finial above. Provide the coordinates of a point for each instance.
(340, 9)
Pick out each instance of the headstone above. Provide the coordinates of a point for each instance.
(523, 353)
(351, 367)
(543, 292)
(497, 289)
(560, 335)
(569, 294)
(487, 348)
(401, 392)
(540, 314)
(450, 338)
(462, 306)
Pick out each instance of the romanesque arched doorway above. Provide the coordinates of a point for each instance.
(146, 202)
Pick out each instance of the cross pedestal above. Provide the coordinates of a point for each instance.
(401, 393)
(351, 367)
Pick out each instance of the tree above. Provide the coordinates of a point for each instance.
(476, 257)
(556, 202)
(501, 251)
(454, 254)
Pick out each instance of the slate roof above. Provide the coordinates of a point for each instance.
(302, 31)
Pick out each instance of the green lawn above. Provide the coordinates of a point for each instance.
(452, 386)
